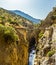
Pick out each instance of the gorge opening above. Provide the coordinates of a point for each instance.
(32, 50)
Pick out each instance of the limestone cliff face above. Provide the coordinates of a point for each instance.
(15, 52)
(47, 47)
(46, 54)
(54, 37)
(12, 52)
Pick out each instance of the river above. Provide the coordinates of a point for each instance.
(32, 56)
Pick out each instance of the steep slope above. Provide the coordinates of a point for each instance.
(12, 18)
(26, 16)
(13, 48)
(13, 41)
(46, 47)
(50, 19)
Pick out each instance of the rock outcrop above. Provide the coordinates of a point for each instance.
(15, 52)
(47, 42)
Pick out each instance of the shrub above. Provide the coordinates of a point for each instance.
(15, 23)
(8, 33)
(40, 34)
(53, 17)
(50, 53)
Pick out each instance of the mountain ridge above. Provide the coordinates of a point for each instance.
(18, 12)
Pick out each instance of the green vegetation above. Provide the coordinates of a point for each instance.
(7, 16)
(40, 34)
(8, 33)
(50, 53)
(13, 46)
(53, 17)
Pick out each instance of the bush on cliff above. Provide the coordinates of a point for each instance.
(8, 33)
(40, 34)
(50, 53)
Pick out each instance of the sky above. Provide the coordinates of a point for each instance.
(36, 8)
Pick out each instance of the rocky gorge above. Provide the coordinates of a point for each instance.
(20, 39)
(46, 54)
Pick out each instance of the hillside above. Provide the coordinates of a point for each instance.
(19, 36)
(12, 18)
(26, 16)
(46, 46)
(50, 19)
(13, 41)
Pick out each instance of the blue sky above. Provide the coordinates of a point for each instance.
(35, 8)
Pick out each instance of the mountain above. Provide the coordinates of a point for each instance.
(8, 16)
(26, 16)
(47, 40)
(13, 42)
(18, 37)
(50, 19)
